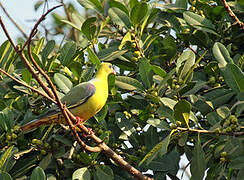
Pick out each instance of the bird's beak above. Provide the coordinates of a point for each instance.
(114, 72)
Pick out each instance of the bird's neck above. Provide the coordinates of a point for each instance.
(102, 76)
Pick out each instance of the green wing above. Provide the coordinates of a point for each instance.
(79, 94)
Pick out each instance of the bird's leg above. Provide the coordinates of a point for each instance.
(78, 120)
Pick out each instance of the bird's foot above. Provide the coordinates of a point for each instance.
(78, 120)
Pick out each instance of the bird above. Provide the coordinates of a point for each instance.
(84, 100)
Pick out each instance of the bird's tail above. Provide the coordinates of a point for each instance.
(47, 120)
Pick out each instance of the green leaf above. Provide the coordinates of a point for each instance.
(47, 50)
(161, 148)
(38, 174)
(46, 161)
(111, 53)
(126, 38)
(237, 163)
(221, 54)
(199, 22)
(4, 49)
(138, 12)
(89, 28)
(92, 4)
(161, 124)
(63, 82)
(81, 174)
(184, 63)
(5, 156)
(168, 102)
(26, 76)
(234, 77)
(158, 70)
(198, 164)
(128, 83)
(5, 176)
(117, 4)
(119, 17)
(93, 57)
(38, 46)
(145, 72)
(104, 172)
(71, 24)
(67, 52)
(124, 124)
(182, 111)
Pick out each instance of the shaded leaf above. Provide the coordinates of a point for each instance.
(38, 173)
(119, 17)
(138, 12)
(67, 52)
(221, 54)
(89, 28)
(81, 174)
(63, 82)
(182, 111)
(128, 83)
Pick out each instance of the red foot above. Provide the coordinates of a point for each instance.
(78, 120)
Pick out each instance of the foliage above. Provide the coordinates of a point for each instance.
(179, 68)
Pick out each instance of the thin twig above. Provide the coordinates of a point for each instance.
(230, 12)
(13, 21)
(28, 86)
(209, 132)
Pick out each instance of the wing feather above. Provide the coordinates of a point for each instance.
(79, 94)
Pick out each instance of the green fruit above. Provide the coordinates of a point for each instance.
(134, 59)
(43, 152)
(34, 141)
(223, 154)
(16, 128)
(212, 80)
(39, 142)
(222, 159)
(211, 146)
(14, 136)
(178, 123)
(136, 53)
(8, 137)
(133, 45)
(228, 129)
(177, 86)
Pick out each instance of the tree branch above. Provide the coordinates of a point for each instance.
(12, 20)
(230, 12)
(209, 132)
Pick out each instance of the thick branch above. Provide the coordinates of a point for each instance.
(230, 12)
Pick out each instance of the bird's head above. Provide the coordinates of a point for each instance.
(107, 68)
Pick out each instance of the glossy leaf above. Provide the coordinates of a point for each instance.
(161, 148)
(119, 17)
(81, 174)
(221, 54)
(145, 72)
(63, 82)
(93, 57)
(89, 28)
(198, 164)
(47, 50)
(38, 173)
(67, 52)
(128, 83)
(104, 172)
(182, 111)
(234, 77)
(138, 12)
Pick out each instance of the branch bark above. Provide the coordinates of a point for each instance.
(230, 12)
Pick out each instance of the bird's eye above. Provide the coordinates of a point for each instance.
(110, 66)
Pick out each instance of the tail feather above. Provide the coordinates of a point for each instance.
(51, 119)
